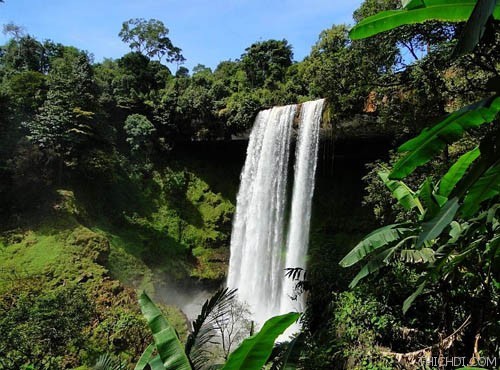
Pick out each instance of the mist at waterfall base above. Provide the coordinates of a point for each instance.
(187, 295)
(260, 247)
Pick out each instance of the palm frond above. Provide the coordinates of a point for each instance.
(106, 362)
(203, 329)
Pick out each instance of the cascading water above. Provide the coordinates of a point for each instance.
(306, 154)
(257, 239)
(259, 250)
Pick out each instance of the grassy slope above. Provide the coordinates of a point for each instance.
(177, 226)
(172, 223)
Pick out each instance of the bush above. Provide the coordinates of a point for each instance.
(41, 328)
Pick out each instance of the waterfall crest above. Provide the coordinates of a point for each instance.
(259, 249)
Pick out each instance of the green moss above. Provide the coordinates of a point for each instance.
(126, 267)
(61, 256)
(180, 226)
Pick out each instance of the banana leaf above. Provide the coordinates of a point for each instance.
(429, 200)
(417, 12)
(434, 227)
(456, 172)
(409, 301)
(475, 27)
(487, 187)
(145, 357)
(167, 343)
(375, 240)
(379, 261)
(253, 353)
(403, 194)
(431, 141)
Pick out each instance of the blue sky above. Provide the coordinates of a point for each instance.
(207, 31)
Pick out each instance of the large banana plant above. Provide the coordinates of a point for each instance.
(423, 242)
(470, 183)
(167, 352)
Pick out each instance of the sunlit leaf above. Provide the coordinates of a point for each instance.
(433, 140)
(437, 10)
(403, 194)
(145, 357)
(167, 343)
(456, 172)
(253, 353)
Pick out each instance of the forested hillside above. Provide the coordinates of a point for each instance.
(120, 175)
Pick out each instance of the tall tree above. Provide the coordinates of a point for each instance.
(266, 62)
(66, 118)
(150, 37)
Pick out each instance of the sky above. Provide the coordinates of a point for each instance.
(207, 31)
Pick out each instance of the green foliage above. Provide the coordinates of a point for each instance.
(150, 37)
(476, 26)
(254, 351)
(375, 240)
(167, 343)
(251, 354)
(265, 63)
(42, 327)
(344, 72)
(431, 141)
(60, 256)
(421, 150)
(355, 324)
(65, 121)
(456, 172)
(286, 356)
(417, 12)
(485, 188)
(106, 362)
(434, 227)
(139, 131)
(203, 333)
(26, 90)
(403, 194)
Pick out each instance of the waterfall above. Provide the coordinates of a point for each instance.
(257, 239)
(306, 154)
(259, 249)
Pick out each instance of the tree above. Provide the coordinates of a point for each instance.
(26, 90)
(233, 326)
(139, 131)
(150, 38)
(14, 30)
(24, 53)
(266, 62)
(66, 119)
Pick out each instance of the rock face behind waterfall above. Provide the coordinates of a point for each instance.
(259, 248)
